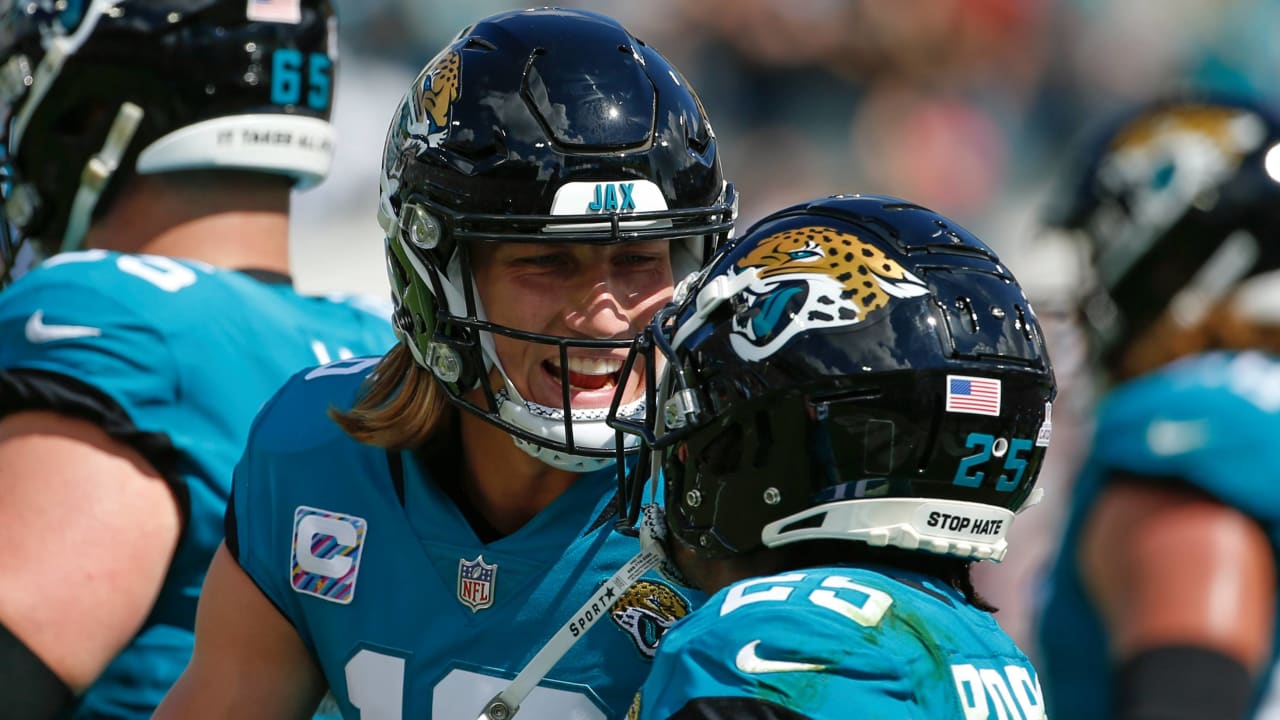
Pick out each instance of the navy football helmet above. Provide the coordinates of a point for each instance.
(542, 126)
(1174, 205)
(854, 368)
(92, 91)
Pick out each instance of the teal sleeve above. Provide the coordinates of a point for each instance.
(264, 534)
(1203, 429)
(68, 325)
(291, 453)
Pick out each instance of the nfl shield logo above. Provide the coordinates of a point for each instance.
(475, 583)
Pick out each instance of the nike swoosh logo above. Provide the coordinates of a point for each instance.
(38, 333)
(1175, 437)
(749, 662)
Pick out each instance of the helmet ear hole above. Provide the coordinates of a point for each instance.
(877, 459)
(723, 453)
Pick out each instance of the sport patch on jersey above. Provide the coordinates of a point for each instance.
(326, 553)
(476, 581)
(646, 611)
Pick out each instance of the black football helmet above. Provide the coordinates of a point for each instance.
(1175, 203)
(92, 91)
(545, 126)
(854, 368)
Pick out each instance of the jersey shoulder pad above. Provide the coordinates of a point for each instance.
(297, 416)
(87, 285)
(827, 607)
(79, 318)
(1209, 420)
(374, 305)
(98, 288)
(778, 638)
(127, 275)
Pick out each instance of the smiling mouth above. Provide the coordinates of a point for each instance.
(587, 373)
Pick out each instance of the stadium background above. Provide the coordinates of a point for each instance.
(966, 106)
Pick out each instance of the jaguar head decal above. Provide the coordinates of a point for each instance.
(813, 277)
(432, 95)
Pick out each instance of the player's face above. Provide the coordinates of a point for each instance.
(576, 291)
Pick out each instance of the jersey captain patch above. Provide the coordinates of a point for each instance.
(326, 553)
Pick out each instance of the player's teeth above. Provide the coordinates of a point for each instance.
(594, 366)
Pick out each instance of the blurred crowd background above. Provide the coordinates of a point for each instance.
(969, 107)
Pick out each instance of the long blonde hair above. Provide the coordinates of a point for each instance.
(1223, 328)
(400, 407)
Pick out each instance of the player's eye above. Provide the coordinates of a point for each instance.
(541, 260)
(639, 258)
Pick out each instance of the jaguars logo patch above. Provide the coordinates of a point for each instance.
(814, 277)
(646, 611)
(433, 94)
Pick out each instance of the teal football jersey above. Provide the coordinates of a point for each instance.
(188, 353)
(408, 613)
(1210, 421)
(840, 642)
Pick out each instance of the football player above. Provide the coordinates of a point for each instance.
(1162, 602)
(856, 403)
(151, 147)
(545, 180)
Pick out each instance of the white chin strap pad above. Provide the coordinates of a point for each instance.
(589, 431)
(293, 145)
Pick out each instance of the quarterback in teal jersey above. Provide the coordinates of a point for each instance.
(856, 403)
(1163, 599)
(409, 530)
(134, 358)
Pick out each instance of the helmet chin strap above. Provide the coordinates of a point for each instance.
(589, 430)
(97, 173)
